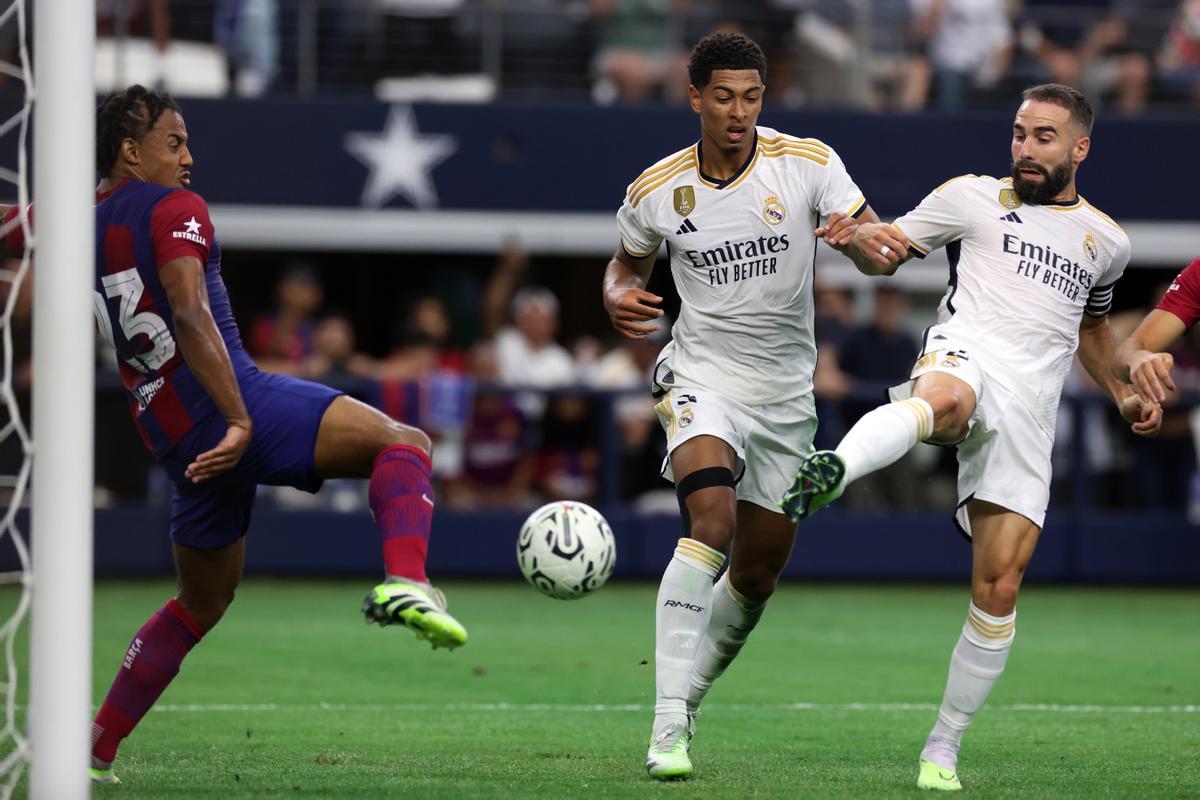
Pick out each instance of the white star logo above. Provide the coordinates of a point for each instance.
(192, 226)
(400, 160)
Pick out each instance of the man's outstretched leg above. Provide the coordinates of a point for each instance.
(207, 580)
(357, 441)
(938, 411)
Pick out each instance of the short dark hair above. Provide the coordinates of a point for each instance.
(127, 115)
(725, 51)
(1072, 100)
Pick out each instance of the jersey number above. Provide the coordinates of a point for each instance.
(128, 287)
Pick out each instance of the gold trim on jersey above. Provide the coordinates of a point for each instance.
(666, 415)
(625, 246)
(650, 174)
(741, 177)
(952, 180)
(802, 153)
(783, 144)
(700, 177)
(854, 209)
(924, 251)
(710, 184)
(784, 138)
(1078, 204)
(683, 167)
(1102, 215)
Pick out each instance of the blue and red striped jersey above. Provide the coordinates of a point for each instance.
(139, 228)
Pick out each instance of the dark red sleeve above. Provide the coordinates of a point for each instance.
(1183, 297)
(14, 241)
(180, 227)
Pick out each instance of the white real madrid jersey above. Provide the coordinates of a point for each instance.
(742, 257)
(1021, 278)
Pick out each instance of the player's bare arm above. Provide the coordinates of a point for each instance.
(1097, 346)
(1141, 360)
(877, 248)
(631, 308)
(839, 228)
(204, 351)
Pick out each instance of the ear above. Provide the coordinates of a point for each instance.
(694, 98)
(1081, 149)
(129, 151)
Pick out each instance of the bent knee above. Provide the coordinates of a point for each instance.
(408, 436)
(998, 597)
(952, 408)
(756, 583)
(208, 608)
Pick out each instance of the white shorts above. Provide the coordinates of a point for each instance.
(768, 441)
(1005, 457)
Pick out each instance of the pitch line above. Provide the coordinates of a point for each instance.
(567, 708)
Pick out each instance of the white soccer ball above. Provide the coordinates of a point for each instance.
(566, 550)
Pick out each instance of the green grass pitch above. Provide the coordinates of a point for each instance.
(293, 696)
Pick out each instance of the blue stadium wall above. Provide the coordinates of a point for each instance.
(1093, 547)
(519, 157)
(580, 158)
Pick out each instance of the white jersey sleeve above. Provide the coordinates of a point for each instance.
(941, 218)
(837, 191)
(1101, 295)
(635, 224)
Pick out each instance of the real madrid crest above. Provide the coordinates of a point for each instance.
(773, 210)
(685, 200)
(1089, 247)
(1009, 199)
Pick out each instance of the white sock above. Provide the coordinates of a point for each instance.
(883, 435)
(684, 605)
(732, 619)
(977, 662)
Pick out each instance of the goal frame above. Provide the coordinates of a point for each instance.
(60, 674)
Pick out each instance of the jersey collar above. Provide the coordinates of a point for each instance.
(735, 177)
(1068, 205)
(105, 195)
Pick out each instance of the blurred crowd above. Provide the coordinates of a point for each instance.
(521, 414)
(903, 55)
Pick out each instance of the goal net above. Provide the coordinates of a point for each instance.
(16, 443)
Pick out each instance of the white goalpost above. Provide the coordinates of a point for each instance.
(60, 672)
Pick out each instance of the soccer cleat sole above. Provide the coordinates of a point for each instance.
(937, 778)
(668, 772)
(417, 613)
(818, 483)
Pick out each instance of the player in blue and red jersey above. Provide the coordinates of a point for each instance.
(1142, 359)
(217, 424)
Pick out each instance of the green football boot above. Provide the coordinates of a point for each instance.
(417, 606)
(101, 772)
(818, 483)
(667, 759)
(937, 778)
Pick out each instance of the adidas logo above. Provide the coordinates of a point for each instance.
(1011, 217)
(686, 227)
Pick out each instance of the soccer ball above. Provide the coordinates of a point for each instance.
(566, 550)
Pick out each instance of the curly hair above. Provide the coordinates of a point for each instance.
(725, 51)
(127, 115)
(1072, 100)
